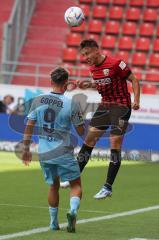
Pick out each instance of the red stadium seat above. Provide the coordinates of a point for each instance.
(106, 52)
(150, 15)
(79, 29)
(83, 71)
(133, 14)
(153, 3)
(119, 2)
(70, 54)
(149, 89)
(115, 13)
(137, 72)
(138, 59)
(129, 28)
(154, 60)
(146, 29)
(95, 26)
(125, 43)
(74, 39)
(142, 44)
(112, 27)
(108, 42)
(86, 9)
(70, 68)
(92, 36)
(86, 1)
(152, 75)
(123, 55)
(137, 3)
(99, 11)
(102, 2)
(156, 45)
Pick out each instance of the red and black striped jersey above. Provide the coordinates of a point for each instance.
(111, 80)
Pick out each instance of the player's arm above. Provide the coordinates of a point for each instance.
(26, 154)
(136, 91)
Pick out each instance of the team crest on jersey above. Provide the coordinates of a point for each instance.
(106, 71)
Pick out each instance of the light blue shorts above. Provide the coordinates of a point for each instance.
(67, 170)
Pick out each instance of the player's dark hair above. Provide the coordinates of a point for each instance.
(59, 75)
(88, 43)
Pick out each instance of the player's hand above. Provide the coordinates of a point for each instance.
(135, 106)
(26, 157)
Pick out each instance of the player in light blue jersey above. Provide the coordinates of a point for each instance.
(51, 115)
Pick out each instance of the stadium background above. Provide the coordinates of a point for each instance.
(34, 39)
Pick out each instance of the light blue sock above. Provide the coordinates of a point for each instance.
(53, 217)
(74, 205)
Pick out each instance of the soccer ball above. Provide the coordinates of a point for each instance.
(74, 16)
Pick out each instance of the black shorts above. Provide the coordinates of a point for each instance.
(111, 115)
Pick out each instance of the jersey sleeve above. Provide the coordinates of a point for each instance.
(32, 115)
(76, 114)
(122, 69)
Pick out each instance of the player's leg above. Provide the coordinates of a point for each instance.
(90, 141)
(75, 198)
(53, 201)
(68, 170)
(95, 131)
(119, 119)
(51, 178)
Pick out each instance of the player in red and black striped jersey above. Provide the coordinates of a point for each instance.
(110, 76)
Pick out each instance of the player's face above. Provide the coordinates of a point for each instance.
(90, 55)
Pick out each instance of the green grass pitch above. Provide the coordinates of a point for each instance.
(23, 202)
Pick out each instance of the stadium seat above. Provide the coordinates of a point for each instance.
(149, 89)
(112, 27)
(150, 15)
(137, 72)
(106, 52)
(74, 39)
(153, 3)
(86, 1)
(79, 29)
(152, 75)
(92, 36)
(108, 42)
(154, 60)
(133, 14)
(102, 2)
(138, 59)
(115, 13)
(142, 44)
(95, 26)
(70, 54)
(83, 70)
(123, 55)
(129, 28)
(70, 68)
(125, 43)
(137, 3)
(146, 29)
(156, 45)
(119, 2)
(86, 9)
(99, 11)
(157, 32)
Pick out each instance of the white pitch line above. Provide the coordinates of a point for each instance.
(142, 239)
(42, 207)
(96, 219)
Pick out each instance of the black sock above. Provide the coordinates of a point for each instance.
(114, 165)
(83, 156)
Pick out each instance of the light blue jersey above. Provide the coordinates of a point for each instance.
(54, 113)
